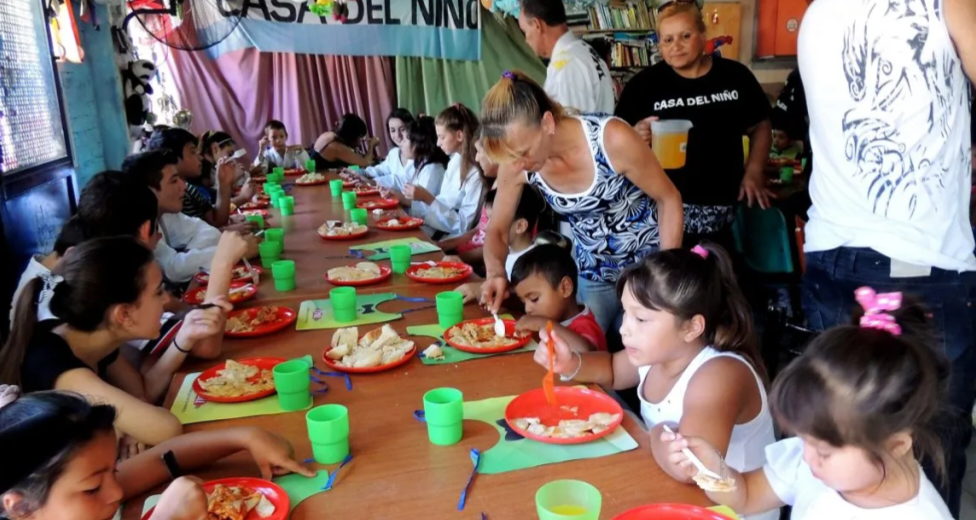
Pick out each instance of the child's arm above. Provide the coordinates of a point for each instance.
(602, 368)
(753, 493)
(717, 396)
(272, 454)
(451, 244)
(530, 324)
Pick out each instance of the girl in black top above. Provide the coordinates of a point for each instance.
(59, 461)
(340, 149)
(724, 102)
(105, 292)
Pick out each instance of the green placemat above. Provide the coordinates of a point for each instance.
(725, 510)
(190, 408)
(514, 452)
(453, 355)
(317, 314)
(300, 487)
(381, 250)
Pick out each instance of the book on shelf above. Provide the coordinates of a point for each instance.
(620, 16)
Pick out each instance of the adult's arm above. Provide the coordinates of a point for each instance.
(632, 158)
(510, 184)
(754, 182)
(136, 418)
(336, 151)
(960, 16)
(180, 267)
(458, 219)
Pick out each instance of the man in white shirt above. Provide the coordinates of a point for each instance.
(889, 103)
(188, 243)
(577, 77)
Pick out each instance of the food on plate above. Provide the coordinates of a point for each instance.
(237, 379)
(434, 352)
(247, 322)
(440, 271)
(353, 273)
(378, 212)
(568, 428)
(334, 228)
(365, 188)
(236, 502)
(477, 336)
(378, 347)
(376, 204)
(310, 177)
(716, 485)
(239, 273)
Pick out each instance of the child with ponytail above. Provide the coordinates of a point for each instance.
(452, 212)
(690, 350)
(862, 402)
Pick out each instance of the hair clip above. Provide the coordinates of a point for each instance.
(876, 309)
(509, 75)
(700, 251)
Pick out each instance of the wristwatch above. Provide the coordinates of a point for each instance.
(169, 459)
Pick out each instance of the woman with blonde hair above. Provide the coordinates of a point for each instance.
(724, 101)
(592, 169)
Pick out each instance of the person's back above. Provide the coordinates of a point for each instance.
(889, 125)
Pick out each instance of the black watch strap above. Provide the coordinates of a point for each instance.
(169, 459)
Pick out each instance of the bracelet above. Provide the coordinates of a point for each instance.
(177, 346)
(169, 460)
(572, 376)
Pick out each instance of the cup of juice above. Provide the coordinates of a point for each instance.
(568, 500)
(669, 140)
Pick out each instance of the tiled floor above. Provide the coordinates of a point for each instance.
(968, 511)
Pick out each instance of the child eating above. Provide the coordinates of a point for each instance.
(785, 145)
(274, 152)
(860, 402)
(545, 281)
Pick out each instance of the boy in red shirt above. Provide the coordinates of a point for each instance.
(545, 280)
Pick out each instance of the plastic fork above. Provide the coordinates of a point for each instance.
(694, 459)
(548, 382)
(251, 271)
(499, 326)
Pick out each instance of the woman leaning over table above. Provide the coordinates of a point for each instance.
(723, 101)
(595, 170)
(341, 148)
(106, 292)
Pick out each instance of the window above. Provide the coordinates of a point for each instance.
(31, 131)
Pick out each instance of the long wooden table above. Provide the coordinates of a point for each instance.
(396, 472)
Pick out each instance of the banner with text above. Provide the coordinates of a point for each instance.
(448, 29)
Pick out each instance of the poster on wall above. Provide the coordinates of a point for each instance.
(447, 29)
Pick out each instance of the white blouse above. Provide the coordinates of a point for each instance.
(430, 177)
(392, 173)
(456, 208)
(270, 158)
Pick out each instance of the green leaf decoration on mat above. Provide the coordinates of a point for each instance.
(381, 250)
(300, 487)
(453, 355)
(317, 314)
(511, 455)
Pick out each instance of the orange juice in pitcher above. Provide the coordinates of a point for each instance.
(669, 140)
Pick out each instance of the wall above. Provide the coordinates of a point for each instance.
(93, 103)
(767, 72)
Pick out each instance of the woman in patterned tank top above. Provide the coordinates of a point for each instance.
(594, 170)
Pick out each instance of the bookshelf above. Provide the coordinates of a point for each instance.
(622, 31)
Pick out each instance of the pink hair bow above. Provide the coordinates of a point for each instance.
(700, 251)
(876, 309)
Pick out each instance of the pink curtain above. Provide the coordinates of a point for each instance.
(240, 91)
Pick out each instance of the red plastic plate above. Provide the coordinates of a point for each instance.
(263, 212)
(294, 172)
(349, 184)
(509, 331)
(670, 512)
(286, 317)
(382, 368)
(240, 275)
(196, 296)
(385, 272)
(344, 237)
(412, 272)
(366, 191)
(378, 204)
(533, 404)
(255, 204)
(407, 223)
(272, 491)
(262, 363)
(313, 183)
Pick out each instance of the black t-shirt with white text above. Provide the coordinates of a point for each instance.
(722, 105)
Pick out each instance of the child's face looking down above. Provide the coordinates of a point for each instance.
(542, 299)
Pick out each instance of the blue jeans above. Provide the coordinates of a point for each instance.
(601, 298)
(828, 300)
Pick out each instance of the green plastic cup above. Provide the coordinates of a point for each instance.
(354, 168)
(276, 197)
(400, 258)
(359, 216)
(287, 205)
(328, 431)
(278, 170)
(283, 269)
(444, 412)
(269, 186)
(349, 200)
(292, 384)
(336, 186)
(284, 284)
(275, 235)
(568, 500)
(344, 303)
(269, 249)
(786, 174)
(258, 219)
(268, 261)
(310, 165)
(450, 308)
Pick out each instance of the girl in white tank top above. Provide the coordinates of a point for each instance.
(684, 316)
